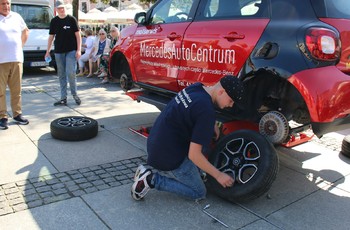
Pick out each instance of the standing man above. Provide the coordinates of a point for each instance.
(13, 35)
(176, 141)
(64, 29)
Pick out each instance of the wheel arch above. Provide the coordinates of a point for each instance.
(269, 90)
(120, 64)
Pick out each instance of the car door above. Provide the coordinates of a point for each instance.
(157, 44)
(221, 38)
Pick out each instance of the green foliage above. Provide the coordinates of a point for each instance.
(147, 1)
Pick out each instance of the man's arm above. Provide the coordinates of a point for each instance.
(49, 44)
(78, 37)
(196, 156)
(24, 36)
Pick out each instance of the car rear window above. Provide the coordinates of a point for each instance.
(332, 8)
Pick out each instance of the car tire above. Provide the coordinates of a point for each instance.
(250, 159)
(345, 148)
(74, 128)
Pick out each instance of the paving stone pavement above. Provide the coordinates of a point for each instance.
(34, 192)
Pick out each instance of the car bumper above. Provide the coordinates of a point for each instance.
(326, 92)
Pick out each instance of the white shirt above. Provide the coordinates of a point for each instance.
(11, 28)
(89, 44)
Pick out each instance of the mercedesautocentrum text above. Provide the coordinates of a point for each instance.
(193, 53)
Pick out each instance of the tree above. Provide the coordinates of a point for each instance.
(147, 2)
(75, 5)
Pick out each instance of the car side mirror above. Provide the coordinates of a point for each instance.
(140, 18)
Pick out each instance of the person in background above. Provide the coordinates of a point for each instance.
(65, 31)
(101, 46)
(104, 62)
(181, 132)
(89, 43)
(13, 35)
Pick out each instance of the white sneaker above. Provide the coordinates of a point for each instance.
(140, 187)
(102, 75)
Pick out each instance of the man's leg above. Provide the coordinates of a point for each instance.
(4, 74)
(61, 73)
(15, 86)
(186, 181)
(71, 66)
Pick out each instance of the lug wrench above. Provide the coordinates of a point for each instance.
(206, 212)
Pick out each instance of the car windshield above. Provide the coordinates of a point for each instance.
(36, 17)
(332, 8)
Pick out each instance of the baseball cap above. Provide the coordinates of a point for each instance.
(60, 3)
(234, 88)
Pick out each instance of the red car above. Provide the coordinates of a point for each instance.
(293, 57)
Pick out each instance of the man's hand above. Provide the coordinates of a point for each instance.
(225, 180)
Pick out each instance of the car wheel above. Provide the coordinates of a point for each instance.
(250, 159)
(74, 128)
(345, 148)
(274, 126)
(126, 82)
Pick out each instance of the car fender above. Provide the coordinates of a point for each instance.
(326, 92)
(123, 47)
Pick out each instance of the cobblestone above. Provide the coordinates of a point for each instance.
(34, 192)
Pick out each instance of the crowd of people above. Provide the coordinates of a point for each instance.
(96, 49)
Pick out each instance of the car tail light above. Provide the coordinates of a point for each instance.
(323, 44)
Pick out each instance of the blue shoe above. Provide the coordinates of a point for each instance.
(3, 123)
(21, 120)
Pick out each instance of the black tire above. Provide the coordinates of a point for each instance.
(253, 162)
(345, 148)
(74, 128)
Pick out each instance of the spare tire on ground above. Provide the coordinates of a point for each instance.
(345, 148)
(74, 128)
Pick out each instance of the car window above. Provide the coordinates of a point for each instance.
(36, 17)
(171, 11)
(220, 9)
(332, 8)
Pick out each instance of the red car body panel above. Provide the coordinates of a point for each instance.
(229, 44)
(325, 91)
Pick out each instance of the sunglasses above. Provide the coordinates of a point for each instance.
(102, 34)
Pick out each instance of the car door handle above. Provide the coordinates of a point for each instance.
(173, 36)
(234, 36)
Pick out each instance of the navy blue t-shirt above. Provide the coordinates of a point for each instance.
(188, 117)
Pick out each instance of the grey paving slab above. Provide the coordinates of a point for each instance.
(289, 186)
(320, 210)
(260, 225)
(115, 121)
(23, 160)
(69, 214)
(133, 138)
(161, 210)
(14, 134)
(343, 183)
(105, 147)
(316, 161)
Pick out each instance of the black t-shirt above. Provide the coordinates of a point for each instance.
(188, 117)
(64, 30)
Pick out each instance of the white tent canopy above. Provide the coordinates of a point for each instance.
(110, 9)
(94, 16)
